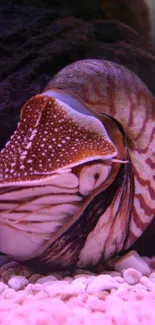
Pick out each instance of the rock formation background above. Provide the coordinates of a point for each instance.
(38, 38)
(151, 4)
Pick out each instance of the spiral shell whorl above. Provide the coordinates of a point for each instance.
(108, 88)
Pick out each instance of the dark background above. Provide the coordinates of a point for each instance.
(38, 38)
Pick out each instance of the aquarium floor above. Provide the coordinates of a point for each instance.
(125, 298)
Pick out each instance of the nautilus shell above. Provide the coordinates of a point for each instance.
(77, 178)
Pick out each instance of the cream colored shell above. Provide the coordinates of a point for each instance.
(77, 181)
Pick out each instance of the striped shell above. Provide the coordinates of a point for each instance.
(77, 178)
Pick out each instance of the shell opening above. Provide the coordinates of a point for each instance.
(32, 215)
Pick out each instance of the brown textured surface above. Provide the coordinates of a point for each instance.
(132, 13)
(35, 43)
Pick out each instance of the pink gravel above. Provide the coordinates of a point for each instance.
(116, 298)
(84, 309)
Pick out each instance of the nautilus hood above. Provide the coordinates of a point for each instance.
(52, 137)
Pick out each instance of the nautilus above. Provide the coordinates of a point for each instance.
(77, 178)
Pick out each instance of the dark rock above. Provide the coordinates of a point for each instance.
(35, 43)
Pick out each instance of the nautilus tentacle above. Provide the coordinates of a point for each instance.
(77, 182)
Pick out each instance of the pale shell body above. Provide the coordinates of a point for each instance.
(77, 179)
